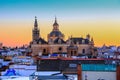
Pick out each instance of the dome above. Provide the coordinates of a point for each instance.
(56, 33)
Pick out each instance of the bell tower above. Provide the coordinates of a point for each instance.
(35, 31)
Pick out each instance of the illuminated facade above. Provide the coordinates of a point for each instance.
(74, 46)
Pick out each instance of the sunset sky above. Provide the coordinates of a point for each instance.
(99, 18)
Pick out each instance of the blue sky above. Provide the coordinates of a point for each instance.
(100, 18)
(62, 8)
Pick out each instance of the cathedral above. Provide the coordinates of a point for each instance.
(55, 44)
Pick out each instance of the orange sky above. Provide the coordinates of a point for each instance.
(19, 33)
(99, 18)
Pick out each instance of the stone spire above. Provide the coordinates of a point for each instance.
(92, 41)
(35, 23)
(55, 25)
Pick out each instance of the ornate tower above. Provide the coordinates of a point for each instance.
(72, 49)
(35, 31)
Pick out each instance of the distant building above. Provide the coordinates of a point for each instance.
(109, 52)
(74, 46)
(1, 45)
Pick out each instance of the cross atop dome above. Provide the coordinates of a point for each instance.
(55, 19)
(35, 17)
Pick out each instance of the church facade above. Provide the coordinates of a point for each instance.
(55, 44)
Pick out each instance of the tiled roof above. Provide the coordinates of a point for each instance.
(59, 41)
(42, 41)
(79, 40)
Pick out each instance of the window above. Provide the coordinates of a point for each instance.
(83, 51)
(72, 65)
(44, 50)
(75, 52)
(60, 49)
(71, 53)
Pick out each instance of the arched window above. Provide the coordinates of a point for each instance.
(44, 50)
(75, 52)
(83, 51)
(60, 48)
(71, 53)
